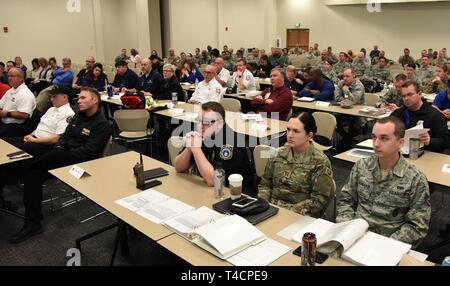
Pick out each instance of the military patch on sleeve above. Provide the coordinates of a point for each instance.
(226, 152)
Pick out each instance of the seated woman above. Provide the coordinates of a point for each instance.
(264, 68)
(96, 78)
(300, 177)
(190, 73)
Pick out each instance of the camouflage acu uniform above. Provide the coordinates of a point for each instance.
(316, 52)
(300, 183)
(355, 92)
(173, 60)
(396, 203)
(381, 73)
(439, 61)
(392, 96)
(332, 59)
(406, 60)
(340, 67)
(435, 87)
(360, 68)
(424, 74)
(331, 75)
(229, 65)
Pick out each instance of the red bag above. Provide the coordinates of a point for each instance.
(133, 101)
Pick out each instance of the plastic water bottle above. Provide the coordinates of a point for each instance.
(110, 90)
(446, 261)
(174, 98)
(219, 180)
(196, 81)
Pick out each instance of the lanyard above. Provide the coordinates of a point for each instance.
(407, 118)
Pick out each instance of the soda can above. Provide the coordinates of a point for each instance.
(109, 89)
(309, 249)
(446, 261)
(414, 148)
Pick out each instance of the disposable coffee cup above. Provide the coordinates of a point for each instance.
(414, 148)
(235, 181)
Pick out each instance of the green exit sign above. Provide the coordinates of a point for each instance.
(297, 25)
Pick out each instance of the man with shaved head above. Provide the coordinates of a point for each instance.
(209, 89)
(16, 106)
(319, 88)
(150, 81)
(223, 75)
(172, 58)
(79, 78)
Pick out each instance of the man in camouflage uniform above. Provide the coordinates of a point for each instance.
(439, 82)
(426, 72)
(360, 66)
(341, 65)
(350, 88)
(329, 72)
(381, 72)
(316, 51)
(393, 99)
(253, 58)
(406, 59)
(122, 57)
(301, 182)
(387, 191)
(411, 73)
(228, 62)
(172, 58)
(332, 59)
(440, 60)
(419, 60)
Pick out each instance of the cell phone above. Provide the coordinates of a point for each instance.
(244, 202)
(15, 154)
(320, 257)
(155, 173)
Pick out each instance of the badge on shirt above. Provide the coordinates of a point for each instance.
(86, 132)
(218, 90)
(247, 78)
(226, 152)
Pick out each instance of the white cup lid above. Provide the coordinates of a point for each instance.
(235, 180)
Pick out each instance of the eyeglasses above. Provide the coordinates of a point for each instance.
(207, 122)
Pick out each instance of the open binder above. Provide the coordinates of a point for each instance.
(221, 235)
(352, 241)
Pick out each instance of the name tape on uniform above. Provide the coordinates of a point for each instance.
(78, 172)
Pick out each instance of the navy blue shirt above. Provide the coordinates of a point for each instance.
(150, 83)
(442, 100)
(128, 80)
(326, 90)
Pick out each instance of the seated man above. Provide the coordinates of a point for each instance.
(386, 190)
(393, 99)
(300, 177)
(150, 81)
(425, 72)
(209, 89)
(242, 78)
(415, 110)
(439, 82)
(360, 66)
(83, 140)
(341, 65)
(294, 81)
(63, 76)
(381, 72)
(16, 106)
(223, 75)
(216, 144)
(125, 78)
(51, 126)
(169, 85)
(319, 88)
(442, 101)
(350, 88)
(277, 99)
(77, 82)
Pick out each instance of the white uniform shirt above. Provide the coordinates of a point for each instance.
(224, 75)
(249, 80)
(54, 121)
(18, 99)
(206, 92)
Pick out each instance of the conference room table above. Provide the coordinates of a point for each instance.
(264, 129)
(430, 163)
(5, 149)
(111, 178)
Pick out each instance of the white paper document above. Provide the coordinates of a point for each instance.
(306, 99)
(164, 210)
(176, 111)
(353, 242)
(361, 153)
(322, 103)
(446, 168)
(261, 254)
(252, 117)
(260, 127)
(141, 200)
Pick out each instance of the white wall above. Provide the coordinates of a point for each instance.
(45, 28)
(414, 25)
(102, 29)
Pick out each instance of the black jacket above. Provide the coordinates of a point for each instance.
(432, 119)
(168, 86)
(86, 137)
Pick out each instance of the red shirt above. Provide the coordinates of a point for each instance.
(3, 89)
(282, 102)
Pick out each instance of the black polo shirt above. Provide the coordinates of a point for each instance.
(228, 148)
(128, 80)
